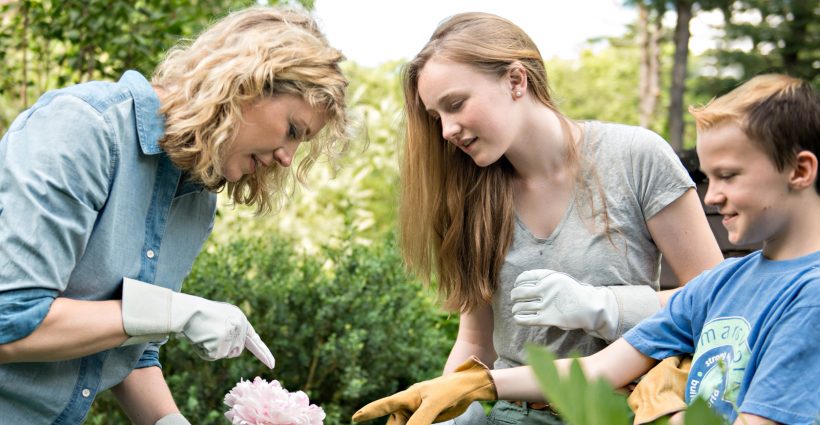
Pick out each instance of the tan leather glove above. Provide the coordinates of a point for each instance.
(436, 400)
(661, 391)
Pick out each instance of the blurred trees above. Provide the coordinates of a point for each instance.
(46, 44)
(764, 36)
(760, 36)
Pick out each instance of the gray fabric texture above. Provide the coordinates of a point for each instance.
(638, 174)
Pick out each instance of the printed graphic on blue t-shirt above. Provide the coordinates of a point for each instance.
(719, 363)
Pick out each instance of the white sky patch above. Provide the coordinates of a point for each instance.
(371, 32)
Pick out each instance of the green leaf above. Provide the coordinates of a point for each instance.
(580, 402)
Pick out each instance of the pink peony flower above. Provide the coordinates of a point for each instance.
(263, 403)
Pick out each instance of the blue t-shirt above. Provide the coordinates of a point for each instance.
(87, 196)
(754, 327)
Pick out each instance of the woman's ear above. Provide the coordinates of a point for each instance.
(517, 76)
(804, 173)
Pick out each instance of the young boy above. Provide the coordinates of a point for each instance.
(751, 323)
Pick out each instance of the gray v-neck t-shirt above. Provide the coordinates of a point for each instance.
(639, 174)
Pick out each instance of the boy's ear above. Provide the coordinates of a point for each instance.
(805, 171)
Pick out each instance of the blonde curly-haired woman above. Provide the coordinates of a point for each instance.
(108, 191)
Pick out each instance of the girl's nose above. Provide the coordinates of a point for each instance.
(450, 130)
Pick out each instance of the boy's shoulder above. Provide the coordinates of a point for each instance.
(803, 271)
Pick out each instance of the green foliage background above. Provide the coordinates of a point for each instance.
(321, 280)
(347, 325)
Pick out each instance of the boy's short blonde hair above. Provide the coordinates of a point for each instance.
(779, 113)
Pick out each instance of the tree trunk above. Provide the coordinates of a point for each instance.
(684, 12)
(649, 33)
(644, 101)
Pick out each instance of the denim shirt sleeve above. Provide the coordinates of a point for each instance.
(22, 310)
(56, 163)
(150, 357)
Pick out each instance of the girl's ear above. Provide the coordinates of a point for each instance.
(517, 76)
(804, 173)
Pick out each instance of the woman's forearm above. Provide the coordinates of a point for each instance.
(71, 329)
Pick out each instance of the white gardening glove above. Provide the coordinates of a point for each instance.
(549, 298)
(216, 330)
(173, 419)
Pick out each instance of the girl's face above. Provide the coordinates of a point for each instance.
(749, 191)
(475, 109)
(270, 131)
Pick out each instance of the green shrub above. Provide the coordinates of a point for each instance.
(347, 327)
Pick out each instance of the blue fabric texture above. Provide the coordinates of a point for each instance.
(87, 197)
(751, 325)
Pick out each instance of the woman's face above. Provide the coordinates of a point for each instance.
(270, 131)
(476, 110)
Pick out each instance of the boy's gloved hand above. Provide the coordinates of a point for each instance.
(436, 400)
(216, 330)
(661, 391)
(548, 298)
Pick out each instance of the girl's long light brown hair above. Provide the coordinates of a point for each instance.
(252, 54)
(457, 219)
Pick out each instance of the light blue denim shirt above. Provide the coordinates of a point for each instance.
(87, 197)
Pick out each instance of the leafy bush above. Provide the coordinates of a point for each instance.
(347, 327)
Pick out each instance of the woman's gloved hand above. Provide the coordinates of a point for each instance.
(436, 400)
(217, 330)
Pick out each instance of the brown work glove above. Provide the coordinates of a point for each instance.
(661, 391)
(436, 400)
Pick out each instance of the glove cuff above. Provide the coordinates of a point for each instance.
(173, 419)
(635, 303)
(146, 311)
(486, 390)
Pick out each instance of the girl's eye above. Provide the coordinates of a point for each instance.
(455, 106)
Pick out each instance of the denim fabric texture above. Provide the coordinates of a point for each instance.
(87, 197)
(506, 413)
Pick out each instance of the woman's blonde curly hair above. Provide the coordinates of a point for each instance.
(249, 55)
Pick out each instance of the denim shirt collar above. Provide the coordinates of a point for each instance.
(150, 124)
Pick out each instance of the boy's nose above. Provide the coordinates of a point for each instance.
(713, 196)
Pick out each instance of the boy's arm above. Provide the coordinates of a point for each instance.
(747, 419)
(448, 396)
(619, 364)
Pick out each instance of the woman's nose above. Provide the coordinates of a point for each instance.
(284, 155)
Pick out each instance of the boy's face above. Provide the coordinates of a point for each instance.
(744, 184)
